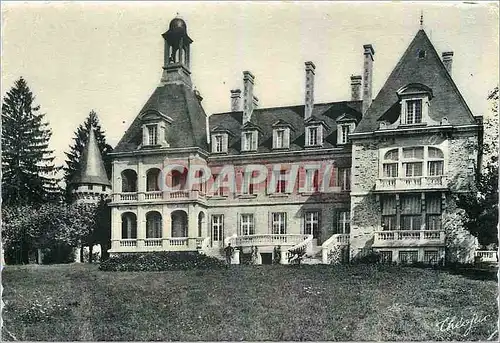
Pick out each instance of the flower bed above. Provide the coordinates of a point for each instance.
(160, 261)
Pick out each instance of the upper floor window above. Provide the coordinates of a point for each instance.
(152, 135)
(312, 180)
(345, 130)
(247, 186)
(313, 136)
(344, 179)
(218, 143)
(281, 138)
(413, 161)
(281, 181)
(413, 113)
(249, 141)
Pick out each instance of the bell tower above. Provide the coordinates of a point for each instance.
(177, 54)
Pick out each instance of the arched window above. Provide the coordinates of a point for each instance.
(436, 162)
(153, 225)
(129, 181)
(179, 224)
(390, 164)
(129, 225)
(178, 178)
(153, 181)
(201, 224)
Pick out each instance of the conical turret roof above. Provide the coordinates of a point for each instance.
(92, 169)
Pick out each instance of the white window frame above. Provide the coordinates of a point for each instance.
(246, 187)
(414, 101)
(152, 134)
(278, 223)
(311, 174)
(249, 141)
(218, 143)
(344, 222)
(311, 222)
(317, 141)
(345, 130)
(344, 178)
(247, 224)
(217, 226)
(280, 138)
(281, 181)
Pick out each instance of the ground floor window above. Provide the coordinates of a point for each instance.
(344, 222)
(153, 225)
(385, 256)
(129, 225)
(431, 256)
(311, 223)
(217, 227)
(278, 220)
(247, 226)
(408, 256)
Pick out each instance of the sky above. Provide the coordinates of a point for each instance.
(107, 57)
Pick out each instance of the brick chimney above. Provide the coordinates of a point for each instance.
(309, 93)
(447, 60)
(235, 100)
(248, 81)
(367, 76)
(356, 87)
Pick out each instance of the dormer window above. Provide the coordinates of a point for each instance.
(312, 138)
(345, 125)
(152, 135)
(219, 140)
(281, 135)
(414, 100)
(154, 128)
(413, 113)
(249, 141)
(219, 143)
(314, 132)
(280, 139)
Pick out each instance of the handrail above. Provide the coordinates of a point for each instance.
(229, 239)
(302, 245)
(335, 240)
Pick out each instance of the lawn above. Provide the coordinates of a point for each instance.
(285, 303)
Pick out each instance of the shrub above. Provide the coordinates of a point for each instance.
(160, 261)
(372, 257)
(59, 253)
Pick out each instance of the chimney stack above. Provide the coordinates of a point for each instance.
(356, 87)
(235, 100)
(255, 102)
(309, 94)
(248, 81)
(367, 76)
(447, 60)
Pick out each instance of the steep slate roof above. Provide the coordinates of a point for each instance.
(179, 102)
(429, 71)
(264, 118)
(92, 169)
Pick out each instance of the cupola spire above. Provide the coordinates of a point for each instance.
(177, 54)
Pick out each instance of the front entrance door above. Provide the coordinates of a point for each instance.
(267, 257)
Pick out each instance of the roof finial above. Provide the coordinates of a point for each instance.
(421, 19)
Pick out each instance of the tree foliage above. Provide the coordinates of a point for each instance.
(481, 203)
(76, 149)
(29, 173)
(27, 228)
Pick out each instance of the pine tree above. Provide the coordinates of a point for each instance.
(79, 141)
(29, 173)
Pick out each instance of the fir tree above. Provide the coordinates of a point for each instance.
(29, 173)
(76, 150)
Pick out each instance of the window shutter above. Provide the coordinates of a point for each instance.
(224, 143)
(286, 138)
(254, 140)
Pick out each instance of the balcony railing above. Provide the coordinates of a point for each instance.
(266, 239)
(487, 255)
(415, 182)
(157, 196)
(158, 244)
(409, 237)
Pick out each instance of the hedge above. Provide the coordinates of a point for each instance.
(160, 261)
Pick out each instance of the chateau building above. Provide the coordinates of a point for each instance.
(335, 180)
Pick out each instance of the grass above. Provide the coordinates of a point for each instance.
(249, 303)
